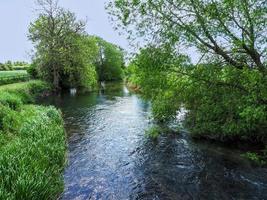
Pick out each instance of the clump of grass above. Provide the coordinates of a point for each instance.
(156, 130)
(153, 132)
(11, 100)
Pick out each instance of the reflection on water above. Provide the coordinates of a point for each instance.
(111, 158)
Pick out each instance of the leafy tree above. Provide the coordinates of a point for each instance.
(225, 92)
(218, 108)
(110, 61)
(79, 68)
(232, 31)
(60, 41)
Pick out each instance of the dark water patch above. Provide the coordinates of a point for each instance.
(110, 157)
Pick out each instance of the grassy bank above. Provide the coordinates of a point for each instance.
(32, 144)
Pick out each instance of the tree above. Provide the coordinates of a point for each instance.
(225, 92)
(54, 34)
(233, 31)
(218, 106)
(110, 61)
(79, 65)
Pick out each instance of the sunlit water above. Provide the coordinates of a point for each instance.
(110, 157)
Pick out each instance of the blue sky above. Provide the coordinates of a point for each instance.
(16, 15)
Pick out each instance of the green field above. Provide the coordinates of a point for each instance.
(20, 67)
(7, 77)
(12, 73)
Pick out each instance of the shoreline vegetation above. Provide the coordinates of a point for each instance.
(32, 144)
(255, 151)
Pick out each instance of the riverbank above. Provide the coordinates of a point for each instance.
(32, 144)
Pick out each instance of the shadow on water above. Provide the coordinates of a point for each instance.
(110, 157)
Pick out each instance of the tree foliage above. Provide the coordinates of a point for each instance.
(218, 106)
(110, 61)
(225, 92)
(230, 31)
(63, 52)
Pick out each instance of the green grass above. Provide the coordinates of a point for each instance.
(25, 91)
(12, 73)
(32, 144)
(24, 85)
(7, 77)
(21, 67)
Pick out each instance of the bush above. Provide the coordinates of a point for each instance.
(32, 71)
(255, 158)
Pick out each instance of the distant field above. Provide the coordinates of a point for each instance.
(7, 77)
(12, 73)
(23, 67)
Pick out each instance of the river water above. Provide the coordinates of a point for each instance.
(110, 156)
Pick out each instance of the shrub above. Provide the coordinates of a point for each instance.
(32, 71)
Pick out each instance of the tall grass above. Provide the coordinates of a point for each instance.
(32, 145)
(25, 92)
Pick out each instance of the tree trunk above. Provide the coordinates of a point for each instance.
(56, 80)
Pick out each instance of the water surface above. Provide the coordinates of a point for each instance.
(110, 157)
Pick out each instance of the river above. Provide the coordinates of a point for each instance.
(111, 157)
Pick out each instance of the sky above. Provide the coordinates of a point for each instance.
(16, 15)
